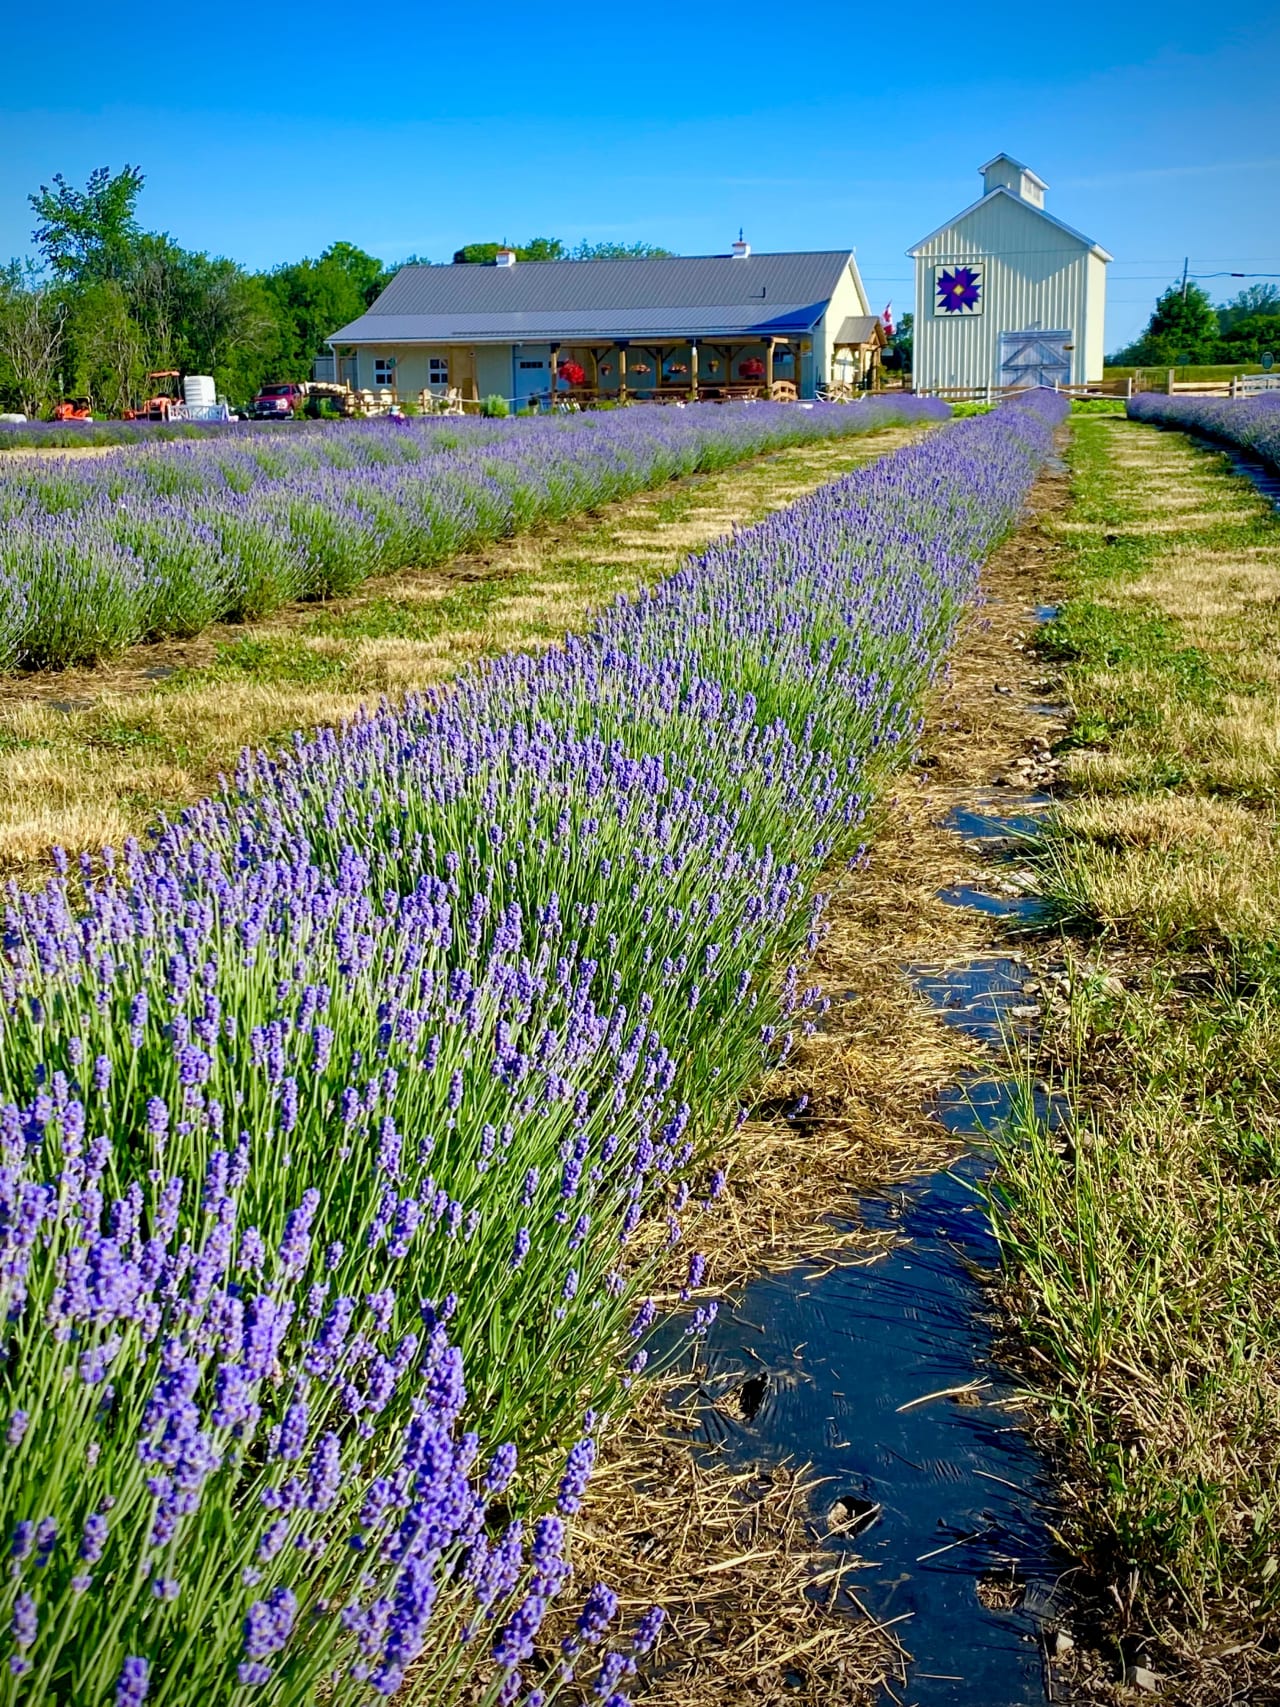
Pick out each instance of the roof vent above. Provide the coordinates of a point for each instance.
(740, 249)
(505, 258)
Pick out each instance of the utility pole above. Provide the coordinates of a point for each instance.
(1186, 262)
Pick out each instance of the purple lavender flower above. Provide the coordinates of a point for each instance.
(578, 1468)
(134, 1682)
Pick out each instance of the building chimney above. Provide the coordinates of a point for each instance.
(505, 258)
(740, 249)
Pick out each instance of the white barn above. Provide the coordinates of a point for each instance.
(1007, 294)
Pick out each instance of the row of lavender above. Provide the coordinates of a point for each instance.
(100, 553)
(344, 1128)
(1253, 423)
(75, 435)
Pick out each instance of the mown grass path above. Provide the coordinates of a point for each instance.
(88, 757)
(1145, 1246)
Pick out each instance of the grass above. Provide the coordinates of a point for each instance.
(89, 757)
(1144, 1248)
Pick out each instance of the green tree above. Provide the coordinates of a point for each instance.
(536, 249)
(87, 233)
(1183, 328)
(110, 356)
(620, 252)
(312, 300)
(1257, 301)
(33, 317)
(897, 352)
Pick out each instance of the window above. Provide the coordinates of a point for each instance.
(384, 370)
(438, 370)
(531, 364)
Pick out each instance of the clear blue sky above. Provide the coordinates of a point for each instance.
(266, 131)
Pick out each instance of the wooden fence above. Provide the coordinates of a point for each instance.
(1000, 393)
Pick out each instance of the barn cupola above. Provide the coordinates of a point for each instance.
(741, 249)
(1006, 173)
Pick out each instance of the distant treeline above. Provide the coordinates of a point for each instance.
(106, 302)
(1187, 329)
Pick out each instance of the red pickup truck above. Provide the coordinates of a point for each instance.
(274, 402)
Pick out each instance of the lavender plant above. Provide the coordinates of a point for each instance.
(343, 1126)
(1250, 422)
(165, 539)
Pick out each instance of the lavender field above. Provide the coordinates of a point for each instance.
(346, 1126)
(1253, 423)
(165, 539)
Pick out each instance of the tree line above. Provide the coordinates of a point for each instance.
(104, 302)
(1187, 329)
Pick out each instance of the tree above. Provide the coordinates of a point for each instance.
(314, 298)
(110, 352)
(536, 249)
(87, 233)
(897, 352)
(1183, 329)
(620, 252)
(33, 315)
(1258, 301)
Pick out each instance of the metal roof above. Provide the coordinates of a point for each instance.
(1021, 201)
(858, 328)
(533, 301)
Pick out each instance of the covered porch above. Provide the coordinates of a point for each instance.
(657, 370)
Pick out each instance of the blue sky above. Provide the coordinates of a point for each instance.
(268, 131)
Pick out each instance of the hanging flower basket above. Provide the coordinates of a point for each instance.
(677, 367)
(572, 373)
(752, 368)
(641, 367)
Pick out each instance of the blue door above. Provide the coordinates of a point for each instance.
(532, 377)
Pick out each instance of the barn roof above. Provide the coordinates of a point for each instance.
(535, 301)
(1039, 212)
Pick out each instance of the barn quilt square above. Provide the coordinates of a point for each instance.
(958, 289)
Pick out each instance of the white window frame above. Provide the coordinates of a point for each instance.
(384, 373)
(438, 373)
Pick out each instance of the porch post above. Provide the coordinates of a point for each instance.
(768, 366)
(693, 370)
(555, 363)
(622, 373)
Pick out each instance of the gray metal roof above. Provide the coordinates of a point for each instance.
(858, 328)
(535, 301)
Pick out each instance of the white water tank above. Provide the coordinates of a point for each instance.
(199, 389)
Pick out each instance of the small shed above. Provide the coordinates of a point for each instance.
(1007, 293)
(856, 349)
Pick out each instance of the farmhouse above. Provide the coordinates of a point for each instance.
(1006, 294)
(679, 326)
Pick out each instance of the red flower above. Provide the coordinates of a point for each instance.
(572, 373)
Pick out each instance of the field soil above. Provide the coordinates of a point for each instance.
(90, 756)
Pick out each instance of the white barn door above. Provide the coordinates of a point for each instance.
(1034, 357)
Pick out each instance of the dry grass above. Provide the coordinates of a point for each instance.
(90, 756)
(757, 1608)
(1142, 1244)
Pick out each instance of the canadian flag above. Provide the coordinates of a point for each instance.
(887, 317)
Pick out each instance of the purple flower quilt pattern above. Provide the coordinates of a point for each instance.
(957, 290)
